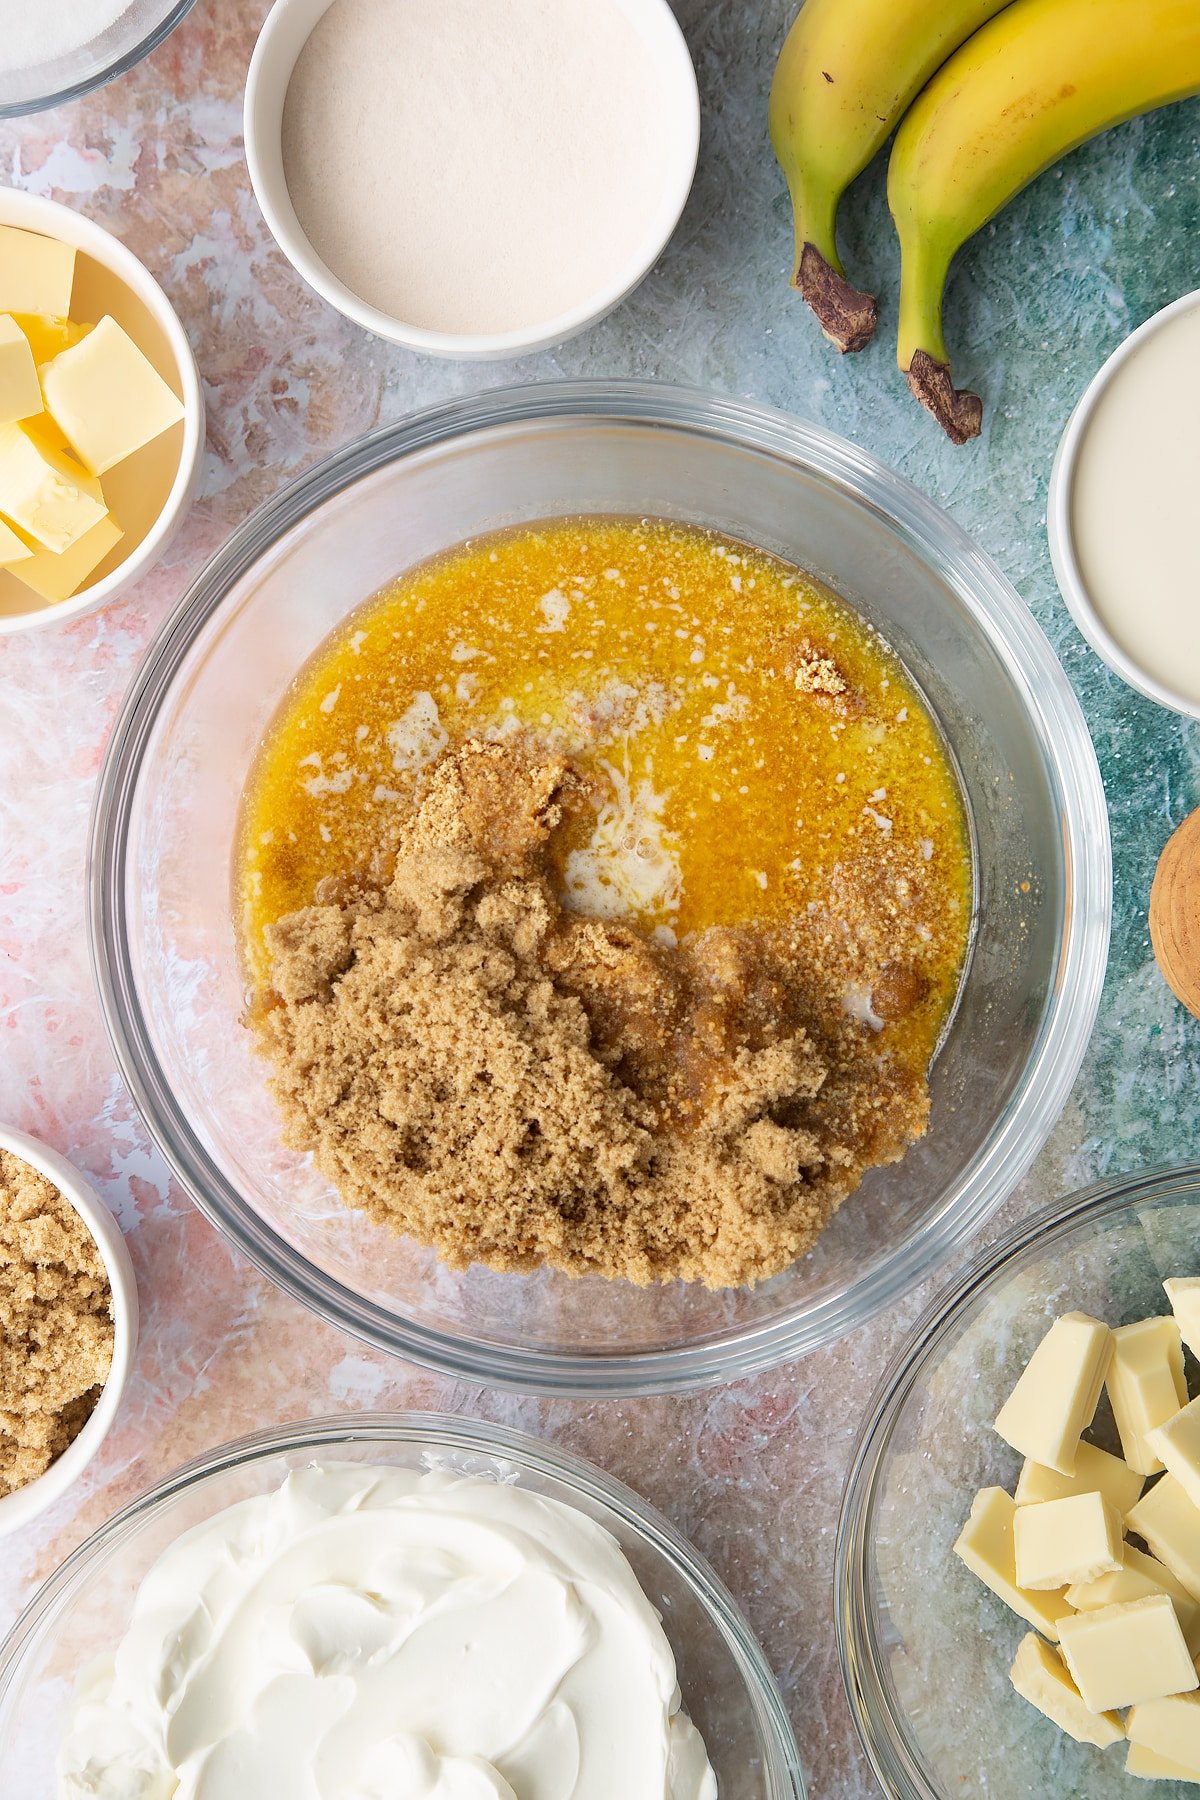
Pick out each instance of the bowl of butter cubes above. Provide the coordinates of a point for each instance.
(101, 416)
(1018, 1561)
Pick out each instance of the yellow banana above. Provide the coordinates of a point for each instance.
(847, 72)
(1040, 78)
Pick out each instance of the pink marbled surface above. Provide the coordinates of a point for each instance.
(752, 1472)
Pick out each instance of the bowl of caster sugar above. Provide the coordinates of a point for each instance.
(472, 178)
(52, 51)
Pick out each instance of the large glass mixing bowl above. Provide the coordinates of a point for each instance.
(162, 918)
(84, 1608)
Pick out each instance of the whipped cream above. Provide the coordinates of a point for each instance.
(386, 1634)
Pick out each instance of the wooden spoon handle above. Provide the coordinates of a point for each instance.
(1175, 913)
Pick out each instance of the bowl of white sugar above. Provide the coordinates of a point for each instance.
(52, 51)
(472, 178)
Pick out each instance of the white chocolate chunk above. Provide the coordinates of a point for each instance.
(1170, 1524)
(1184, 1294)
(1146, 1385)
(36, 273)
(1125, 1655)
(1140, 1577)
(1063, 1541)
(107, 398)
(1039, 1677)
(1095, 1472)
(1150, 1766)
(1177, 1444)
(986, 1546)
(1170, 1727)
(1055, 1399)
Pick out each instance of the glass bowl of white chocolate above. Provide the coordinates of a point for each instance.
(399, 1604)
(1018, 1624)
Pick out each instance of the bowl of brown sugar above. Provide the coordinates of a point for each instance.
(68, 1326)
(599, 887)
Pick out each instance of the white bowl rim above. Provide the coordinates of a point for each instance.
(28, 1503)
(1060, 531)
(265, 163)
(54, 220)
(1066, 1025)
(896, 1769)
(500, 1443)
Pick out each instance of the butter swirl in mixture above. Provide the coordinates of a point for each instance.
(383, 1634)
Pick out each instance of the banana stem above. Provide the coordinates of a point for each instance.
(846, 315)
(921, 346)
(924, 266)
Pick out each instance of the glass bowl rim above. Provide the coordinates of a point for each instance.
(881, 1731)
(1066, 1024)
(784, 1768)
(121, 65)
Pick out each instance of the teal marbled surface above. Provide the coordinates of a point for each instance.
(753, 1472)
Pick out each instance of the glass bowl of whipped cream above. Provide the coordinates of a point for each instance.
(362, 1606)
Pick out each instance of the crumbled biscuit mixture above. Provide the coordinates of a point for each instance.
(56, 1323)
(515, 1084)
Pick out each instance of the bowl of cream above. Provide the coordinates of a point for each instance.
(1122, 509)
(472, 178)
(373, 1606)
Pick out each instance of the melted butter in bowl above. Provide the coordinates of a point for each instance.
(747, 851)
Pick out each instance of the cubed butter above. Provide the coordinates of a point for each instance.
(1183, 1292)
(108, 398)
(1095, 1472)
(1061, 1541)
(1170, 1727)
(1124, 1655)
(1146, 1385)
(1054, 1401)
(1170, 1524)
(1177, 1446)
(20, 393)
(43, 491)
(47, 337)
(13, 549)
(36, 273)
(986, 1546)
(1150, 1766)
(1039, 1676)
(1139, 1577)
(57, 577)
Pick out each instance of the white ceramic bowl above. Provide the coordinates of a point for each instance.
(1060, 529)
(23, 1506)
(151, 491)
(288, 27)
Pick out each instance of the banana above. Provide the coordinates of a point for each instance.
(846, 74)
(1039, 79)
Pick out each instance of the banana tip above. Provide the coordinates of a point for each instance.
(959, 412)
(845, 315)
